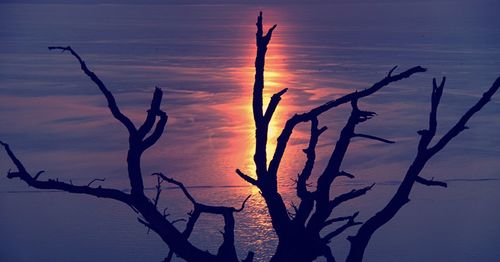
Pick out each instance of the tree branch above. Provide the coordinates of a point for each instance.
(350, 195)
(246, 177)
(227, 251)
(328, 254)
(160, 127)
(428, 135)
(400, 198)
(374, 138)
(273, 103)
(38, 174)
(96, 179)
(339, 219)
(261, 124)
(178, 184)
(56, 185)
(284, 137)
(431, 182)
(14, 159)
(310, 152)
(113, 107)
(159, 181)
(152, 113)
(350, 223)
(242, 204)
(461, 124)
(346, 174)
(332, 169)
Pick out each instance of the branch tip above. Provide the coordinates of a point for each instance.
(243, 204)
(430, 182)
(392, 70)
(96, 179)
(246, 177)
(38, 174)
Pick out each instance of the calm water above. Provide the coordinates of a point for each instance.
(202, 57)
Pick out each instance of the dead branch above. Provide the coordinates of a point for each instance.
(160, 127)
(243, 204)
(307, 202)
(461, 124)
(38, 174)
(138, 143)
(151, 113)
(159, 181)
(431, 182)
(350, 223)
(96, 179)
(284, 137)
(346, 174)
(339, 219)
(374, 138)
(428, 135)
(56, 185)
(322, 194)
(400, 198)
(227, 249)
(328, 254)
(275, 99)
(113, 107)
(257, 103)
(355, 193)
(246, 177)
(310, 152)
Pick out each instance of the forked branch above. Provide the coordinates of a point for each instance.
(424, 153)
(227, 249)
(25, 176)
(286, 133)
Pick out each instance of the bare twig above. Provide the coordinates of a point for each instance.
(431, 182)
(38, 174)
(315, 112)
(275, 99)
(350, 223)
(246, 177)
(113, 107)
(242, 204)
(401, 197)
(346, 174)
(374, 138)
(56, 185)
(349, 195)
(96, 179)
(339, 219)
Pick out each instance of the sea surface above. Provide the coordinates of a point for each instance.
(201, 54)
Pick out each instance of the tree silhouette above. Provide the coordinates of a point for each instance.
(303, 234)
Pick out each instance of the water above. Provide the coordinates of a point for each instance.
(202, 57)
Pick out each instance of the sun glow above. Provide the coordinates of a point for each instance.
(275, 75)
(238, 111)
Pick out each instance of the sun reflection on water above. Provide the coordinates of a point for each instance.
(275, 78)
(255, 225)
(255, 228)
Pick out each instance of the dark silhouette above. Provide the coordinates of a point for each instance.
(303, 234)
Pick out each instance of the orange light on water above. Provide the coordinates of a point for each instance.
(239, 111)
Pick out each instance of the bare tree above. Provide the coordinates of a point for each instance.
(146, 208)
(303, 234)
